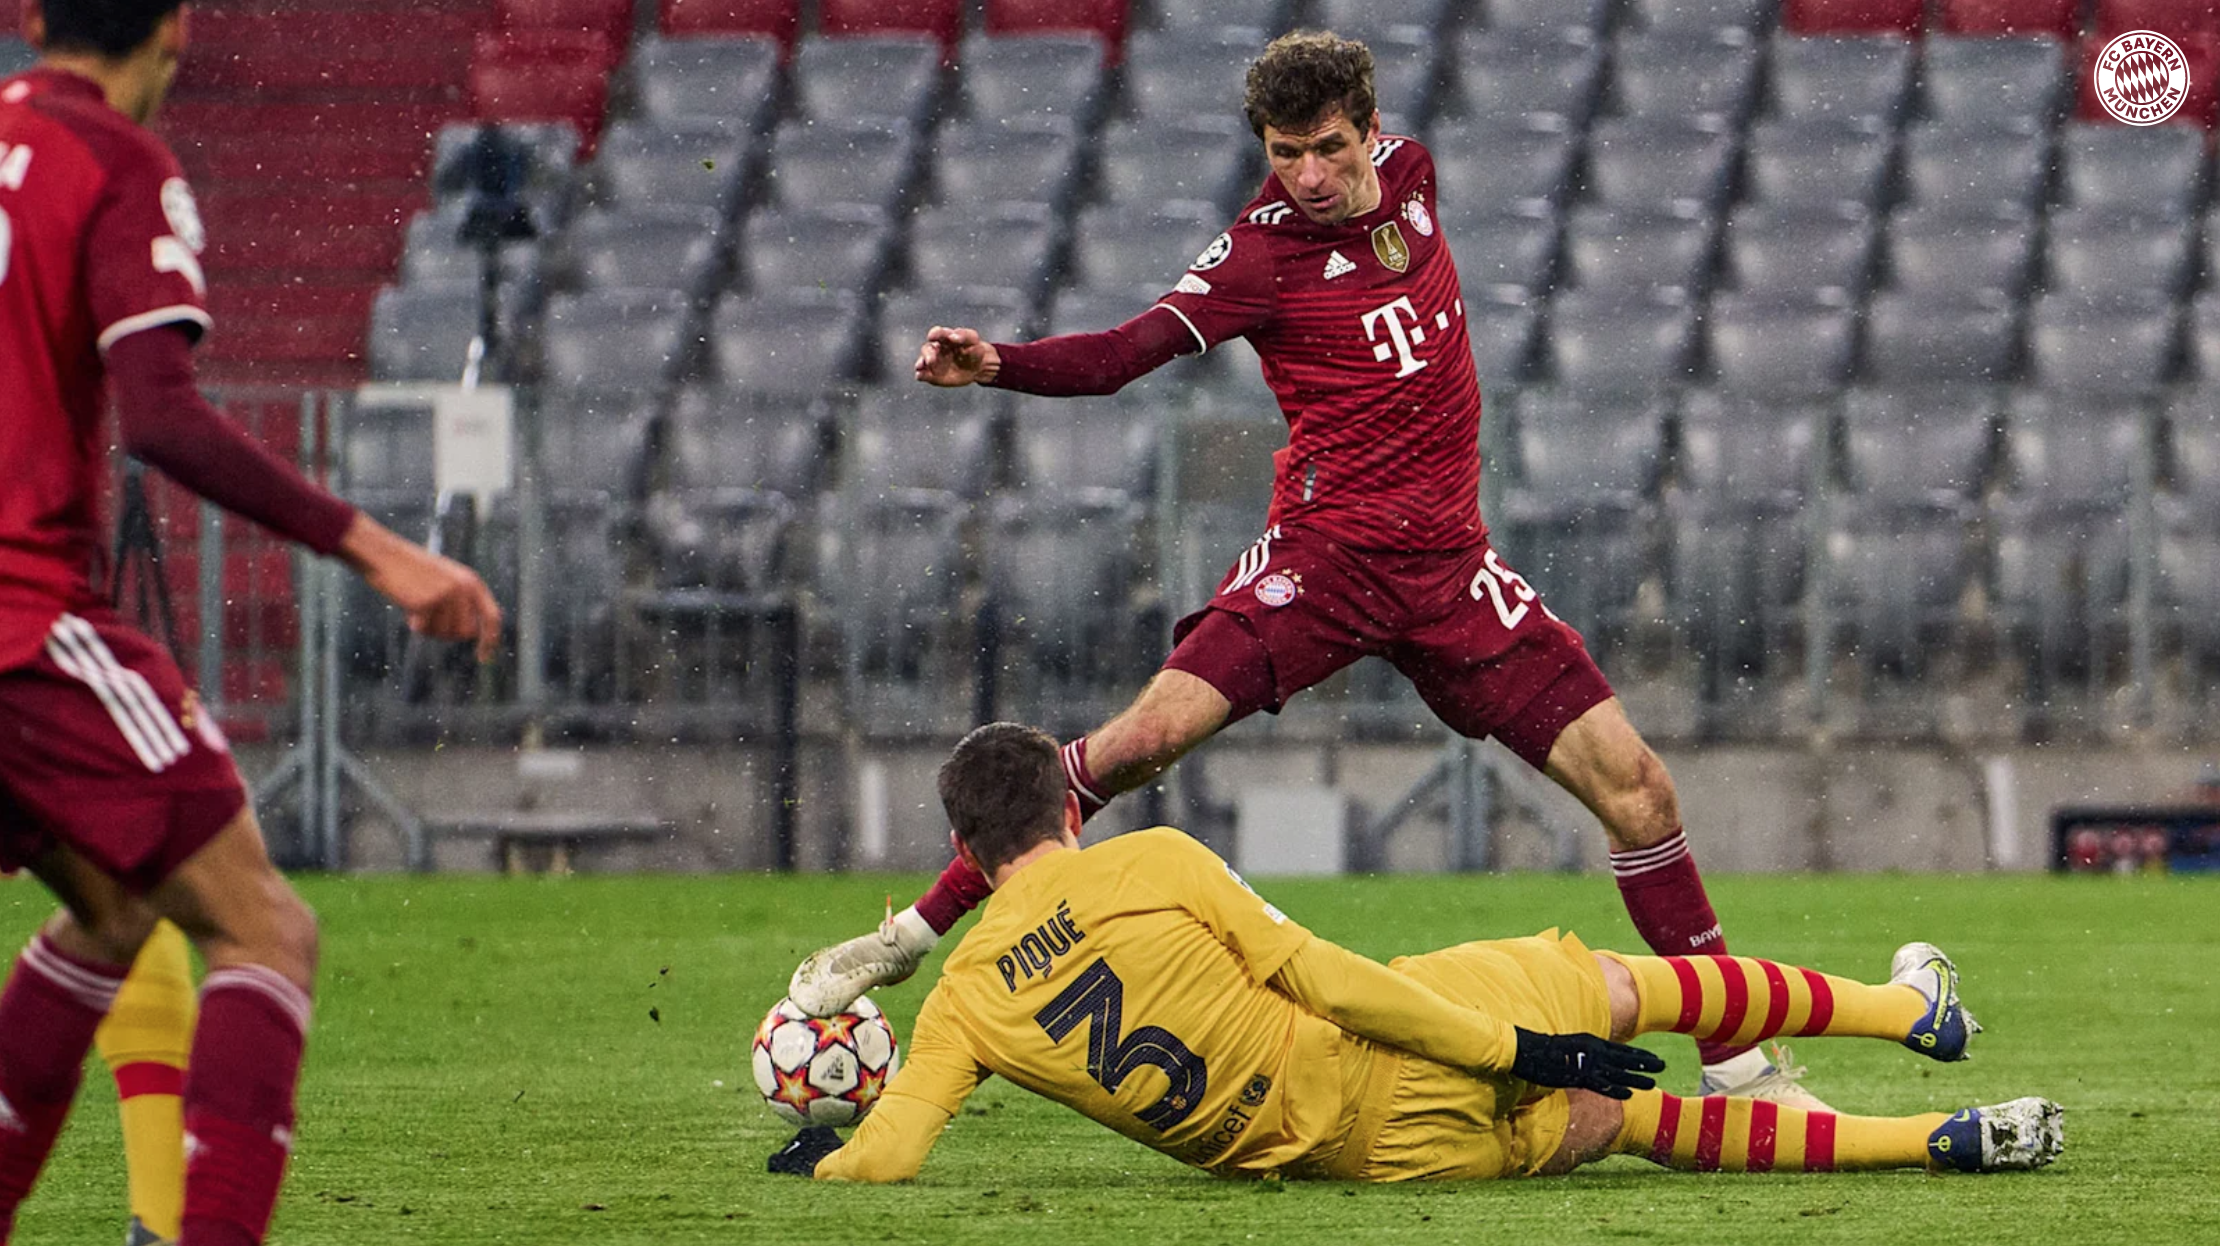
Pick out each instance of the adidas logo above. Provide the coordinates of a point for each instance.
(1271, 213)
(1338, 265)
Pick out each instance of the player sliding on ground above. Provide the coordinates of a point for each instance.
(116, 789)
(1339, 274)
(1142, 984)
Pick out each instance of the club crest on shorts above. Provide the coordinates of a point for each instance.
(1278, 589)
(2142, 78)
(1388, 244)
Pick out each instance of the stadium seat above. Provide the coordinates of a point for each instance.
(1895, 573)
(1847, 17)
(710, 76)
(719, 437)
(1842, 79)
(1677, 74)
(1607, 342)
(672, 247)
(1750, 446)
(387, 450)
(845, 246)
(1206, 158)
(892, 76)
(1954, 250)
(1406, 79)
(1369, 19)
(690, 162)
(1035, 75)
(2120, 252)
(1501, 74)
(565, 47)
(1062, 573)
(915, 437)
(2204, 333)
(2167, 17)
(816, 164)
(999, 314)
(797, 343)
(594, 442)
(611, 18)
(2192, 455)
(997, 244)
(1763, 344)
(1820, 254)
(610, 339)
(1637, 249)
(1657, 161)
(1920, 443)
(1102, 19)
(433, 252)
(2117, 344)
(1033, 159)
(2061, 582)
(538, 160)
(1515, 249)
(1577, 520)
(423, 333)
(530, 89)
(907, 642)
(1068, 444)
(939, 20)
(1981, 78)
(1975, 165)
(2059, 19)
(2187, 592)
(1172, 78)
(1702, 17)
(1504, 336)
(1585, 16)
(1820, 162)
(2076, 447)
(776, 19)
(1142, 244)
(1091, 309)
(2158, 171)
(1484, 165)
(2200, 48)
(1918, 337)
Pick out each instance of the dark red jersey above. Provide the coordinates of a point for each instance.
(99, 239)
(1362, 334)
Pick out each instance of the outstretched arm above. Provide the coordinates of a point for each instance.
(1064, 366)
(1373, 1001)
(937, 1075)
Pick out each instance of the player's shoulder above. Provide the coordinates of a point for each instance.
(118, 147)
(1399, 157)
(1155, 844)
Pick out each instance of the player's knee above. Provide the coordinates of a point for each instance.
(1644, 805)
(298, 938)
(113, 936)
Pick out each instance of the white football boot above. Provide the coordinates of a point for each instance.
(832, 977)
(1757, 1074)
(1941, 1034)
(2004, 1137)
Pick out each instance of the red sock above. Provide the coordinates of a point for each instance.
(52, 1005)
(1665, 896)
(1092, 795)
(239, 1103)
(957, 891)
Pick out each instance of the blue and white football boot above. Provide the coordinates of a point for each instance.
(2005, 1137)
(1943, 1032)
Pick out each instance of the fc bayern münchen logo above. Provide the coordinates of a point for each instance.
(2142, 78)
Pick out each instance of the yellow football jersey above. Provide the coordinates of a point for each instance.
(1127, 981)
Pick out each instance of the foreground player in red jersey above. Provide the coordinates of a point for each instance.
(114, 789)
(1338, 274)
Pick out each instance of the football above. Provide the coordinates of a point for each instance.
(824, 1071)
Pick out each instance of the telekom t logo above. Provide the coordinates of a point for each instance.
(1400, 339)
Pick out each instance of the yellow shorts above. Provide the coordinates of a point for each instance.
(1441, 1122)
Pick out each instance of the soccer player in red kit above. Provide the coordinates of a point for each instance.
(115, 790)
(1338, 273)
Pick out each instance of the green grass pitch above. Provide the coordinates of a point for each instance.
(565, 1060)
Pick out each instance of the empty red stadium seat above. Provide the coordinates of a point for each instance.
(612, 18)
(942, 19)
(1837, 17)
(549, 47)
(2167, 17)
(2202, 50)
(780, 19)
(1104, 17)
(2012, 17)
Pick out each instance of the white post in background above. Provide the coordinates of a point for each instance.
(874, 818)
(2000, 788)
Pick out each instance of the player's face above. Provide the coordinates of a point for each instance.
(1326, 168)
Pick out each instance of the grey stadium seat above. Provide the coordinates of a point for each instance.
(2204, 335)
(671, 247)
(1024, 159)
(423, 332)
(2188, 581)
(2152, 170)
(1504, 336)
(1702, 16)
(916, 437)
(1406, 79)
(1576, 521)
(432, 251)
(1739, 539)
(734, 76)
(1515, 249)
(1487, 164)
(826, 162)
(999, 314)
(2193, 456)
(798, 343)
(2085, 447)
(907, 642)
(1503, 74)
(1750, 446)
(893, 76)
(1683, 75)
(1367, 19)
(1607, 341)
(1653, 161)
(1841, 78)
(998, 244)
(1920, 443)
(388, 450)
(843, 246)
(2119, 252)
(1993, 77)
(2119, 344)
(1077, 444)
(721, 437)
(1956, 250)
(1815, 252)
(2060, 568)
(594, 442)
(1639, 248)
(1054, 76)
(1975, 165)
(1895, 572)
(1510, 15)
(1820, 162)
(1918, 338)
(1172, 78)
(1206, 158)
(1141, 244)
(1091, 309)
(1267, 17)
(691, 161)
(1062, 576)
(608, 339)
(1764, 344)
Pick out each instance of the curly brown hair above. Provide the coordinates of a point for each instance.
(1003, 790)
(1303, 76)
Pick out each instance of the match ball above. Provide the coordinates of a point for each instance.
(824, 1070)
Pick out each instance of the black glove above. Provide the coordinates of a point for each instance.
(799, 1157)
(1584, 1062)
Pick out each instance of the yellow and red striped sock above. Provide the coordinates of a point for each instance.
(1740, 999)
(145, 1041)
(1721, 1134)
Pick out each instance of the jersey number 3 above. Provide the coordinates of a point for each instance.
(1098, 996)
